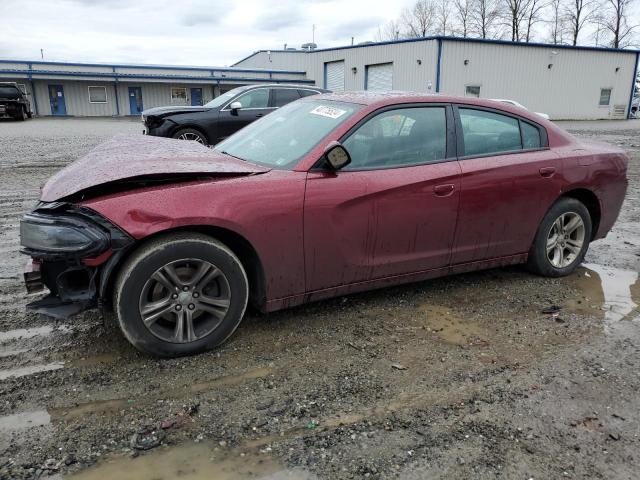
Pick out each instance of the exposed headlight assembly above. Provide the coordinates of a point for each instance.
(61, 234)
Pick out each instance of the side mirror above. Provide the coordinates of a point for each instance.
(235, 106)
(336, 156)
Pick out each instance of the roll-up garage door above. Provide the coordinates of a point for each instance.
(334, 76)
(379, 77)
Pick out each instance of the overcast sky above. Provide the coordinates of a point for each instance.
(198, 32)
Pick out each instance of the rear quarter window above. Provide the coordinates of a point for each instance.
(530, 136)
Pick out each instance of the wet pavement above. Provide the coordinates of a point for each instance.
(460, 377)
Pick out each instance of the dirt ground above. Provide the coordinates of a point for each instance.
(461, 377)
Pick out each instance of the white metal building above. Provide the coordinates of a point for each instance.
(82, 89)
(565, 82)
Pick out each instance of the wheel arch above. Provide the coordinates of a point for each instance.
(590, 200)
(238, 244)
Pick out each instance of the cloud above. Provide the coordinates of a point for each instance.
(354, 28)
(194, 19)
(278, 18)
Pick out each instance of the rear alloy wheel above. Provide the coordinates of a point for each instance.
(562, 239)
(22, 115)
(180, 294)
(191, 134)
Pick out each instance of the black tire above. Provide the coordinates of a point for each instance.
(191, 134)
(538, 260)
(137, 272)
(22, 115)
(29, 114)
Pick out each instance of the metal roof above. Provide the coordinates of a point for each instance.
(454, 39)
(152, 67)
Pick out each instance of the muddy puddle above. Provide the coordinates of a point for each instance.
(610, 293)
(452, 329)
(192, 461)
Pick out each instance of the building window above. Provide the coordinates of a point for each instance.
(97, 94)
(472, 91)
(178, 94)
(605, 97)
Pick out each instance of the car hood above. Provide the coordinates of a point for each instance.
(164, 111)
(136, 160)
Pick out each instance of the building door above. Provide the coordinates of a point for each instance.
(135, 100)
(379, 78)
(196, 97)
(56, 99)
(334, 76)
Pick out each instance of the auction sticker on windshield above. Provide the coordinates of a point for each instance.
(330, 112)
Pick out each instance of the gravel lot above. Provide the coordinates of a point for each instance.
(461, 377)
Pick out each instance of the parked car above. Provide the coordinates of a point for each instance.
(224, 115)
(635, 107)
(516, 104)
(330, 195)
(14, 102)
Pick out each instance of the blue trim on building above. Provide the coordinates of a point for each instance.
(633, 86)
(438, 65)
(118, 75)
(366, 76)
(455, 39)
(155, 67)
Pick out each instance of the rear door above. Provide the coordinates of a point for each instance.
(509, 180)
(393, 210)
(255, 104)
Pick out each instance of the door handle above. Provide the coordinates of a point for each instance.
(444, 190)
(547, 172)
(259, 114)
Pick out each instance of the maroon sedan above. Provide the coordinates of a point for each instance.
(327, 196)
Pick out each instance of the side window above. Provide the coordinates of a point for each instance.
(307, 93)
(472, 91)
(486, 132)
(258, 98)
(406, 136)
(605, 97)
(282, 96)
(530, 136)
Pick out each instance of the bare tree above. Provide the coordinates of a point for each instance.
(514, 16)
(536, 8)
(557, 22)
(485, 15)
(418, 20)
(463, 12)
(615, 21)
(388, 31)
(444, 20)
(578, 14)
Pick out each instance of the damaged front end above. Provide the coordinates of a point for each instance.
(72, 250)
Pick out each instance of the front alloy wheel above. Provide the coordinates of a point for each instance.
(192, 135)
(185, 300)
(180, 294)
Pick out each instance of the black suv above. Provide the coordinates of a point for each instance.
(222, 116)
(14, 102)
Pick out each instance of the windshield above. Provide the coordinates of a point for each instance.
(283, 137)
(224, 98)
(9, 91)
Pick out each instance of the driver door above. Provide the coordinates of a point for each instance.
(255, 104)
(393, 210)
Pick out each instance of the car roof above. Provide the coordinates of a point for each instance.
(285, 85)
(382, 99)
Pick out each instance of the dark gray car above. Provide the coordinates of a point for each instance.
(224, 115)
